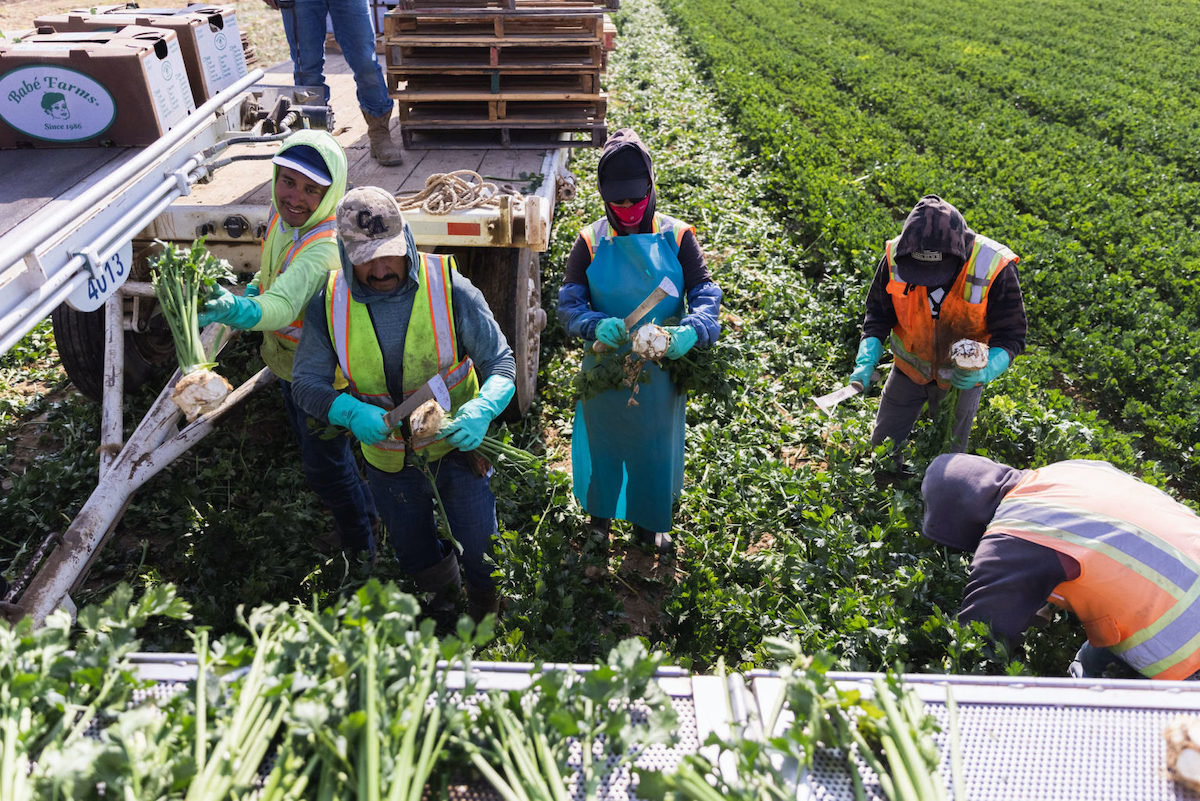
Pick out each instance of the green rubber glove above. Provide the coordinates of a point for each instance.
(869, 352)
(998, 361)
(611, 331)
(364, 420)
(225, 307)
(470, 423)
(683, 339)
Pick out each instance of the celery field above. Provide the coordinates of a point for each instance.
(795, 136)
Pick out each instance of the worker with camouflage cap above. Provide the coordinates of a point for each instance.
(390, 320)
(938, 282)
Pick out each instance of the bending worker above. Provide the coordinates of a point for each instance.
(938, 282)
(299, 252)
(627, 458)
(1123, 556)
(391, 319)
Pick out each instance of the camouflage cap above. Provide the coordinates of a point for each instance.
(933, 243)
(370, 224)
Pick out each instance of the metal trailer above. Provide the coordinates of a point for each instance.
(75, 225)
(1022, 738)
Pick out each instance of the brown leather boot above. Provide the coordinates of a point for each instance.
(379, 133)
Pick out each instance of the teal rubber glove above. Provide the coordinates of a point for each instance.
(998, 361)
(364, 420)
(470, 423)
(869, 352)
(251, 291)
(225, 307)
(683, 339)
(611, 331)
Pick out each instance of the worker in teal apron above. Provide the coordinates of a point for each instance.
(627, 447)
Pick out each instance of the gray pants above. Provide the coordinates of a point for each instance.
(902, 402)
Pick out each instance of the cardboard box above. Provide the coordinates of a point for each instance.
(208, 37)
(127, 87)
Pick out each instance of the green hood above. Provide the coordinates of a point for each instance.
(335, 160)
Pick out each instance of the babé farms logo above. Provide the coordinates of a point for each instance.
(55, 104)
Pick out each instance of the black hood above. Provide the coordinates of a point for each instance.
(962, 492)
(624, 162)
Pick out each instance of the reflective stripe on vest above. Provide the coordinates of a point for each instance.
(920, 343)
(600, 229)
(430, 346)
(326, 229)
(1138, 591)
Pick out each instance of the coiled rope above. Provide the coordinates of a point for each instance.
(462, 189)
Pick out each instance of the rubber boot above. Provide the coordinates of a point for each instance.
(598, 530)
(655, 540)
(379, 133)
(482, 601)
(443, 588)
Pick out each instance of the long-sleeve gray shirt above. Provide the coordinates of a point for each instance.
(479, 336)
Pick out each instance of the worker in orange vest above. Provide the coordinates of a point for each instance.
(1121, 555)
(938, 282)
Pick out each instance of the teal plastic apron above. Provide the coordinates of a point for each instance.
(627, 460)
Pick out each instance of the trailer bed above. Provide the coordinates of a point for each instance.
(243, 189)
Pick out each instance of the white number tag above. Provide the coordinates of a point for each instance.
(105, 282)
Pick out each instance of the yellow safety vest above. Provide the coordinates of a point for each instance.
(430, 346)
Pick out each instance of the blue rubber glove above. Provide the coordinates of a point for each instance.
(998, 361)
(225, 307)
(470, 423)
(364, 420)
(869, 352)
(683, 338)
(611, 331)
(251, 291)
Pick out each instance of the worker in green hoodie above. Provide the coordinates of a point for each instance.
(298, 253)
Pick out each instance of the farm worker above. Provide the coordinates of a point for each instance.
(938, 282)
(298, 254)
(304, 25)
(1119, 553)
(389, 320)
(627, 459)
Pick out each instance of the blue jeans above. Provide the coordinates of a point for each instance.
(331, 471)
(406, 504)
(304, 27)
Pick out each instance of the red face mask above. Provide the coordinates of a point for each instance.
(630, 216)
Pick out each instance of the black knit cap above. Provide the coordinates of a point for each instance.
(933, 244)
(962, 492)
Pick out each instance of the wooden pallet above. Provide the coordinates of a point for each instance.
(498, 23)
(418, 85)
(524, 136)
(466, 113)
(442, 5)
(519, 56)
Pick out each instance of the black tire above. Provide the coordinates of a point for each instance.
(510, 279)
(79, 337)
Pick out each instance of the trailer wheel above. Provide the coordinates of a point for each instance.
(510, 279)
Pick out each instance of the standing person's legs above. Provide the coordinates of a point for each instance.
(304, 26)
(331, 471)
(471, 511)
(355, 35)
(899, 407)
(964, 416)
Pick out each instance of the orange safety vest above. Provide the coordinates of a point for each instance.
(1138, 590)
(326, 229)
(920, 343)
